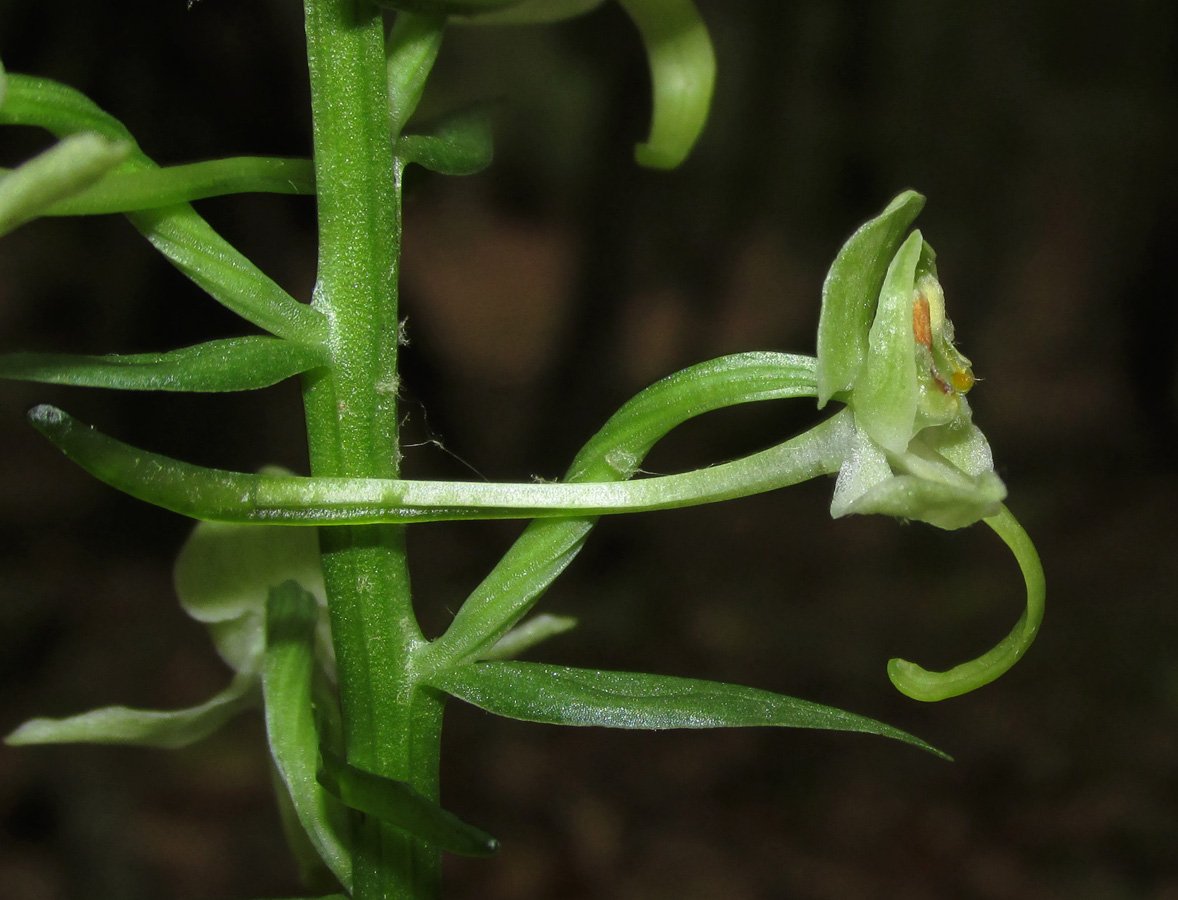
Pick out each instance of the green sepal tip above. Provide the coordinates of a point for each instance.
(850, 294)
(401, 805)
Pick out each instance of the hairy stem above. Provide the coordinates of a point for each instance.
(390, 727)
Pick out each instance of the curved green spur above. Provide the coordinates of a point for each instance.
(921, 684)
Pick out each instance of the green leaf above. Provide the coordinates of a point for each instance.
(141, 727)
(683, 74)
(167, 185)
(546, 547)
(851, 292)
(288, 677)
(560, 695)
(459, 145)
(532, 632)
(65, 169)
(191, 245)
(233, 364)
(313, 872)
(181, 235)
(184, 488)
(57, 108)
(399, 804)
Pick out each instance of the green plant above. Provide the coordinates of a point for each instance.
(317, 621)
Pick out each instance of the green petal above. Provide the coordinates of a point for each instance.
(921, 483)
(866, 465)
(141, 727)
(962, 445)
(850, 294)
(560, 695)
(683, 74)
(67, 168)
(947, 506)
(225, 570)
(886, 396)
(224, 573)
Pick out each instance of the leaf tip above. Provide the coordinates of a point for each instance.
(45, 415)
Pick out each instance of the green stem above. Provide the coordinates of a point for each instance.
(391, 728)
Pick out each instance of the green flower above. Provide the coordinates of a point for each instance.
(223, 576)
(916, 452)
(911, 449)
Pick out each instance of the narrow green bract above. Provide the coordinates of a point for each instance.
(560, 695)
(398, 804)
(288, 687)
(231, 364)
(150, 188)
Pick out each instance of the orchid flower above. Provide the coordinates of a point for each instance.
(885, 348)
(222, 577)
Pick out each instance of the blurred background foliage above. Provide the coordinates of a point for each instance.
(542, 294)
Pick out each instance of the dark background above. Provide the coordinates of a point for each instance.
(542, 294)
